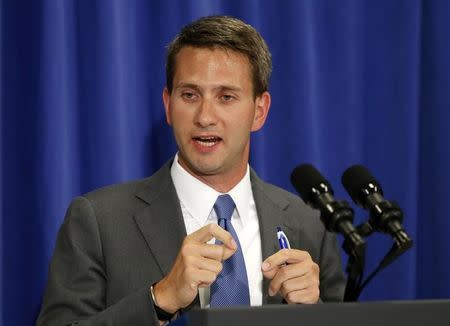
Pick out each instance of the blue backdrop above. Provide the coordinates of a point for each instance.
(354, 82)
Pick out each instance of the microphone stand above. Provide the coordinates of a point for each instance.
(356, 261)
(355, 269)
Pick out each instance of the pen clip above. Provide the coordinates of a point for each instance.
(282, 239)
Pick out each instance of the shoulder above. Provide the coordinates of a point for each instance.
(292, 209)
(129, 197)
(144, 188)
(283, 198)
(116, 191)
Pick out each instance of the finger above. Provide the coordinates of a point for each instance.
(283, 274)
(301, 269)
(305, 271)
(305, 296)
(215, 251)
(304, 282)
(191, 250)
(272, 264)
(284, 256)
(271, 272)
(212, 230)
(204, 263)
(199, 278)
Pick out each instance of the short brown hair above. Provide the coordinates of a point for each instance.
(224, 32)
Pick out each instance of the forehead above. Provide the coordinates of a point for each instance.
(205, 65)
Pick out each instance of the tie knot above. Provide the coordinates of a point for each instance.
(224, 207)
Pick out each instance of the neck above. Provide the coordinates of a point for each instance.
(221, 182)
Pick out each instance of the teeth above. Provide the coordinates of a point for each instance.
(207, 144)
(207, 141)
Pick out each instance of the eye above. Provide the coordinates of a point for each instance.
(188, 95)
(227, 98)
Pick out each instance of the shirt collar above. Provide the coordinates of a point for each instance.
(199, 198)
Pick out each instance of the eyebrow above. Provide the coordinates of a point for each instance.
(188, 85)
(220, 87)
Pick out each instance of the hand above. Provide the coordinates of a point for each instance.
(294, 275)
(197, 265)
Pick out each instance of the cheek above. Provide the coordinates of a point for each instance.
(241, 129)
(179, 127)
(180, 118)
(248, 122)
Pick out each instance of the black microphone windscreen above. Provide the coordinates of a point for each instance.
(355, 178)
(305, 177)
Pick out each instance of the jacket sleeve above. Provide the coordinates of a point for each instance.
(77, 281)
(332, 280)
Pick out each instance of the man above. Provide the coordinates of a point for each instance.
(143, 253)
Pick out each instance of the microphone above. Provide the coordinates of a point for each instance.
(316, 191)
(366, 191)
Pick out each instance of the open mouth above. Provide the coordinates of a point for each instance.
(207, 141)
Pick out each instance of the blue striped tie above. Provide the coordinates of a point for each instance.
(231, 285)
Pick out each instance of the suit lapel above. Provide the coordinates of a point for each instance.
(161, 222)
(270, 208)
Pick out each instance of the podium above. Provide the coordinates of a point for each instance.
(398, 313)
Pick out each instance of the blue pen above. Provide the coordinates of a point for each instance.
(282, 239)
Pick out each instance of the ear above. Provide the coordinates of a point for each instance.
(166, 100)
(262, 104)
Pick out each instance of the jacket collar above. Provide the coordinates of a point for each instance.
(271, 207)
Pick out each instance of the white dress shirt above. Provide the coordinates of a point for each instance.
(197, 200)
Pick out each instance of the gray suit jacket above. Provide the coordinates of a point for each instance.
(117, 241)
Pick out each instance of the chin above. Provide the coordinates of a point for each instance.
(206, 169)
(199, 165)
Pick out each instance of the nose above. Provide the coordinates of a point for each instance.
(205, 115)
